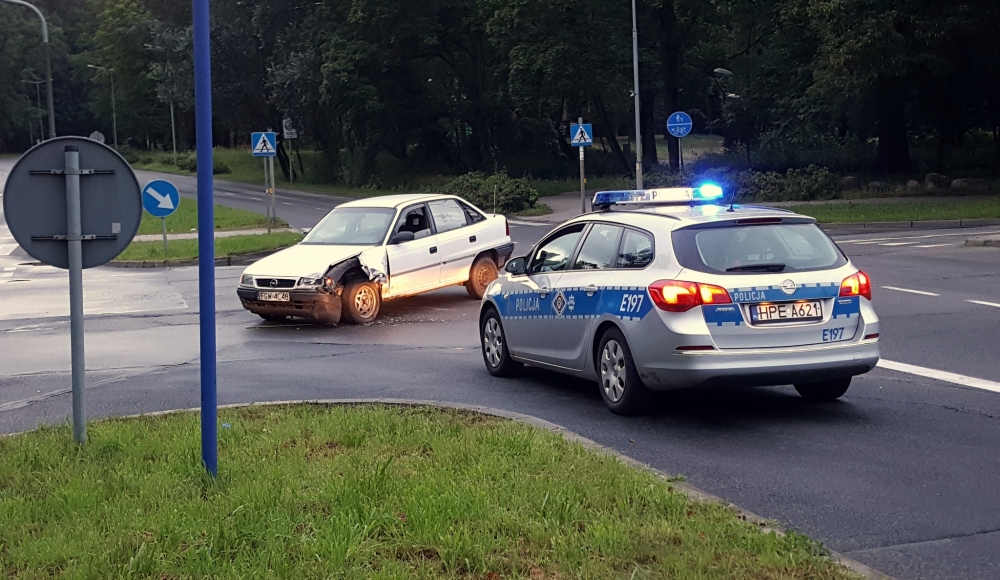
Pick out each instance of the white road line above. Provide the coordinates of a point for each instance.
(286, 203)
(520, 223)
(940, 375)
(321, 208)
(933, 246)
(7, 249)
(228, 194)
(874, 240)
(921, 292)
(993, 304)
(898, 244)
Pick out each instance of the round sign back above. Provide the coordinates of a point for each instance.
(34, 202)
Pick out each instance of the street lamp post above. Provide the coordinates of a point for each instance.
(48, 63)
(635, 90)
(38, 98)
(114, 117)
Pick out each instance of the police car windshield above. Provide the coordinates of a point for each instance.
(352, 226)
(756, 249)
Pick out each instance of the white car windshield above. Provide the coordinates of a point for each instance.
(352, 226)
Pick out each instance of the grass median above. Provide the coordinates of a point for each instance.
(901, 211)
(361, 492)
(185, 219)
(224, 247)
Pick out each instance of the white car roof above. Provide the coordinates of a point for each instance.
(395, 200)
(658, 217)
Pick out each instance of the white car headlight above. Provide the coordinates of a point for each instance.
(246, 280)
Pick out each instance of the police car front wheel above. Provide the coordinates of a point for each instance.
(825, 390)
(494, 344)
(621, 388)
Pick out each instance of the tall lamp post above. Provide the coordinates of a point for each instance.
(114, 117)
(48, 63)
(635, 91)
(38, 97)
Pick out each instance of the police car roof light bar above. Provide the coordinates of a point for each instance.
(705, 193)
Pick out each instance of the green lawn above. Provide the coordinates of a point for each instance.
(903, 211)
(185, 219)
(224, 247)
(361, 492)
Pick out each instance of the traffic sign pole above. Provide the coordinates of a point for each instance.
(274, 209)
(583, 180)
(267, 202)
(163, 222)
(74, 246)
(206, 236)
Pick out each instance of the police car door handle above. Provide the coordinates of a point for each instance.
(591, 290)
(543, 291)
(434, 249)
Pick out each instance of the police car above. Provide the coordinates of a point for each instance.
(669, 288)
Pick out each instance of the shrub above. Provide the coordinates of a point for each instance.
(389, 170)
(805, 184)
(190, 163)
(512, 195)
(131, 155)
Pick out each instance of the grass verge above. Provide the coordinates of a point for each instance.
(185, 219)
(901, 211)
(361, 492)
(224, 247)
(539, 209)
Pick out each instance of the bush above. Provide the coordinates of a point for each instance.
(512, 195)
(131, 155)
(190, 163)
(805, 184)
(389, 170)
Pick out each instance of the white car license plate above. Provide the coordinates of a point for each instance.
(273, 296)
(806, 311)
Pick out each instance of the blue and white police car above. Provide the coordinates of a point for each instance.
(669, 288)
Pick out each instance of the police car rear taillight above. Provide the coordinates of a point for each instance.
(680, 296)
(858, 284)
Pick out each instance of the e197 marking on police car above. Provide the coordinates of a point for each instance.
(631, 303)
(833, 334)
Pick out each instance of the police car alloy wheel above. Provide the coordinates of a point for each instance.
(824, 391)
(361, 302)
(621, 388)
(494, 345)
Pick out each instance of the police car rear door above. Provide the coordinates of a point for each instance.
(783, 279)
(527, 301)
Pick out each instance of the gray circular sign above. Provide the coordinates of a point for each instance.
(34, 202)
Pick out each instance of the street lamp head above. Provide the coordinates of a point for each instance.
(722, 72)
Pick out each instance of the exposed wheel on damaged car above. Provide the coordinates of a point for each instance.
(361, 302)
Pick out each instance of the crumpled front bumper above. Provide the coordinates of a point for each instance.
(314, 305)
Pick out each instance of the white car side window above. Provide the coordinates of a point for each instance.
(448, 215)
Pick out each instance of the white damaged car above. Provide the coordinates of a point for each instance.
(368, 251)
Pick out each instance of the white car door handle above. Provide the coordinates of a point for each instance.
(472, 239)
(591, 290)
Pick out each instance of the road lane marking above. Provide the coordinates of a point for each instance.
(321, 208)
(898, 244)
(7, 249)
(933, 246)
(286, 203)
(940, 375)
(520, 223)
(993, 304)
(921, 292)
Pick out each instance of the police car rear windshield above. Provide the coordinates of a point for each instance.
(756, 249)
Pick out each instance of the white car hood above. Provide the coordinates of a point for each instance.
(304, 260)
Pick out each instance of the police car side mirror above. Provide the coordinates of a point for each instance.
(403, 237)
(516, 266)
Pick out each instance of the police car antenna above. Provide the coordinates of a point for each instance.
(732, 200)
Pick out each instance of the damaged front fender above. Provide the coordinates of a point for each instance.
(374, 264)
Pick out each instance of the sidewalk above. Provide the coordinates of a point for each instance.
(218, 234)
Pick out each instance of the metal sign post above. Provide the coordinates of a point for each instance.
(206, 235)
(581, 136)
(264, 144)
(102, 215)
(288, 132)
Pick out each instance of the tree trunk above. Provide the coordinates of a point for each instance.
(893, 154)
(283, 160)
(669, 57)
(647, 118)
(610, 134)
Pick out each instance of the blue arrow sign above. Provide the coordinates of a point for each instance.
(679, 124)
(581, 135)
(263, 144)
(160, 198)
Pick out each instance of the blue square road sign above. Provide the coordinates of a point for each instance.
(263, 144)
(581, 135)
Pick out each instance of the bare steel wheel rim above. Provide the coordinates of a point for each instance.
(492, 342)
(613, 371)
(364, 302)
(484, 276)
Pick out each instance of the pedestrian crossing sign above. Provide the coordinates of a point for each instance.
(581, 135)
(264, 144)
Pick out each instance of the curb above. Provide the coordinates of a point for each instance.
(240, 260)
(922, 224)
(688, 490)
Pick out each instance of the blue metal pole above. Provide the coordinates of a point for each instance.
(206, 235)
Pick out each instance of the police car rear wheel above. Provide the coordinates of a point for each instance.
(824, 391)
(361, 302)
(482, 272)
(621, 387)
(494, 343)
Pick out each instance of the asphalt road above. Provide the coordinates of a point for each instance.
(900, 474)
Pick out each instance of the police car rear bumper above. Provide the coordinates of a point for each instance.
(760, 367)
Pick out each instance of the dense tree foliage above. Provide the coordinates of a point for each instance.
(449, 86)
